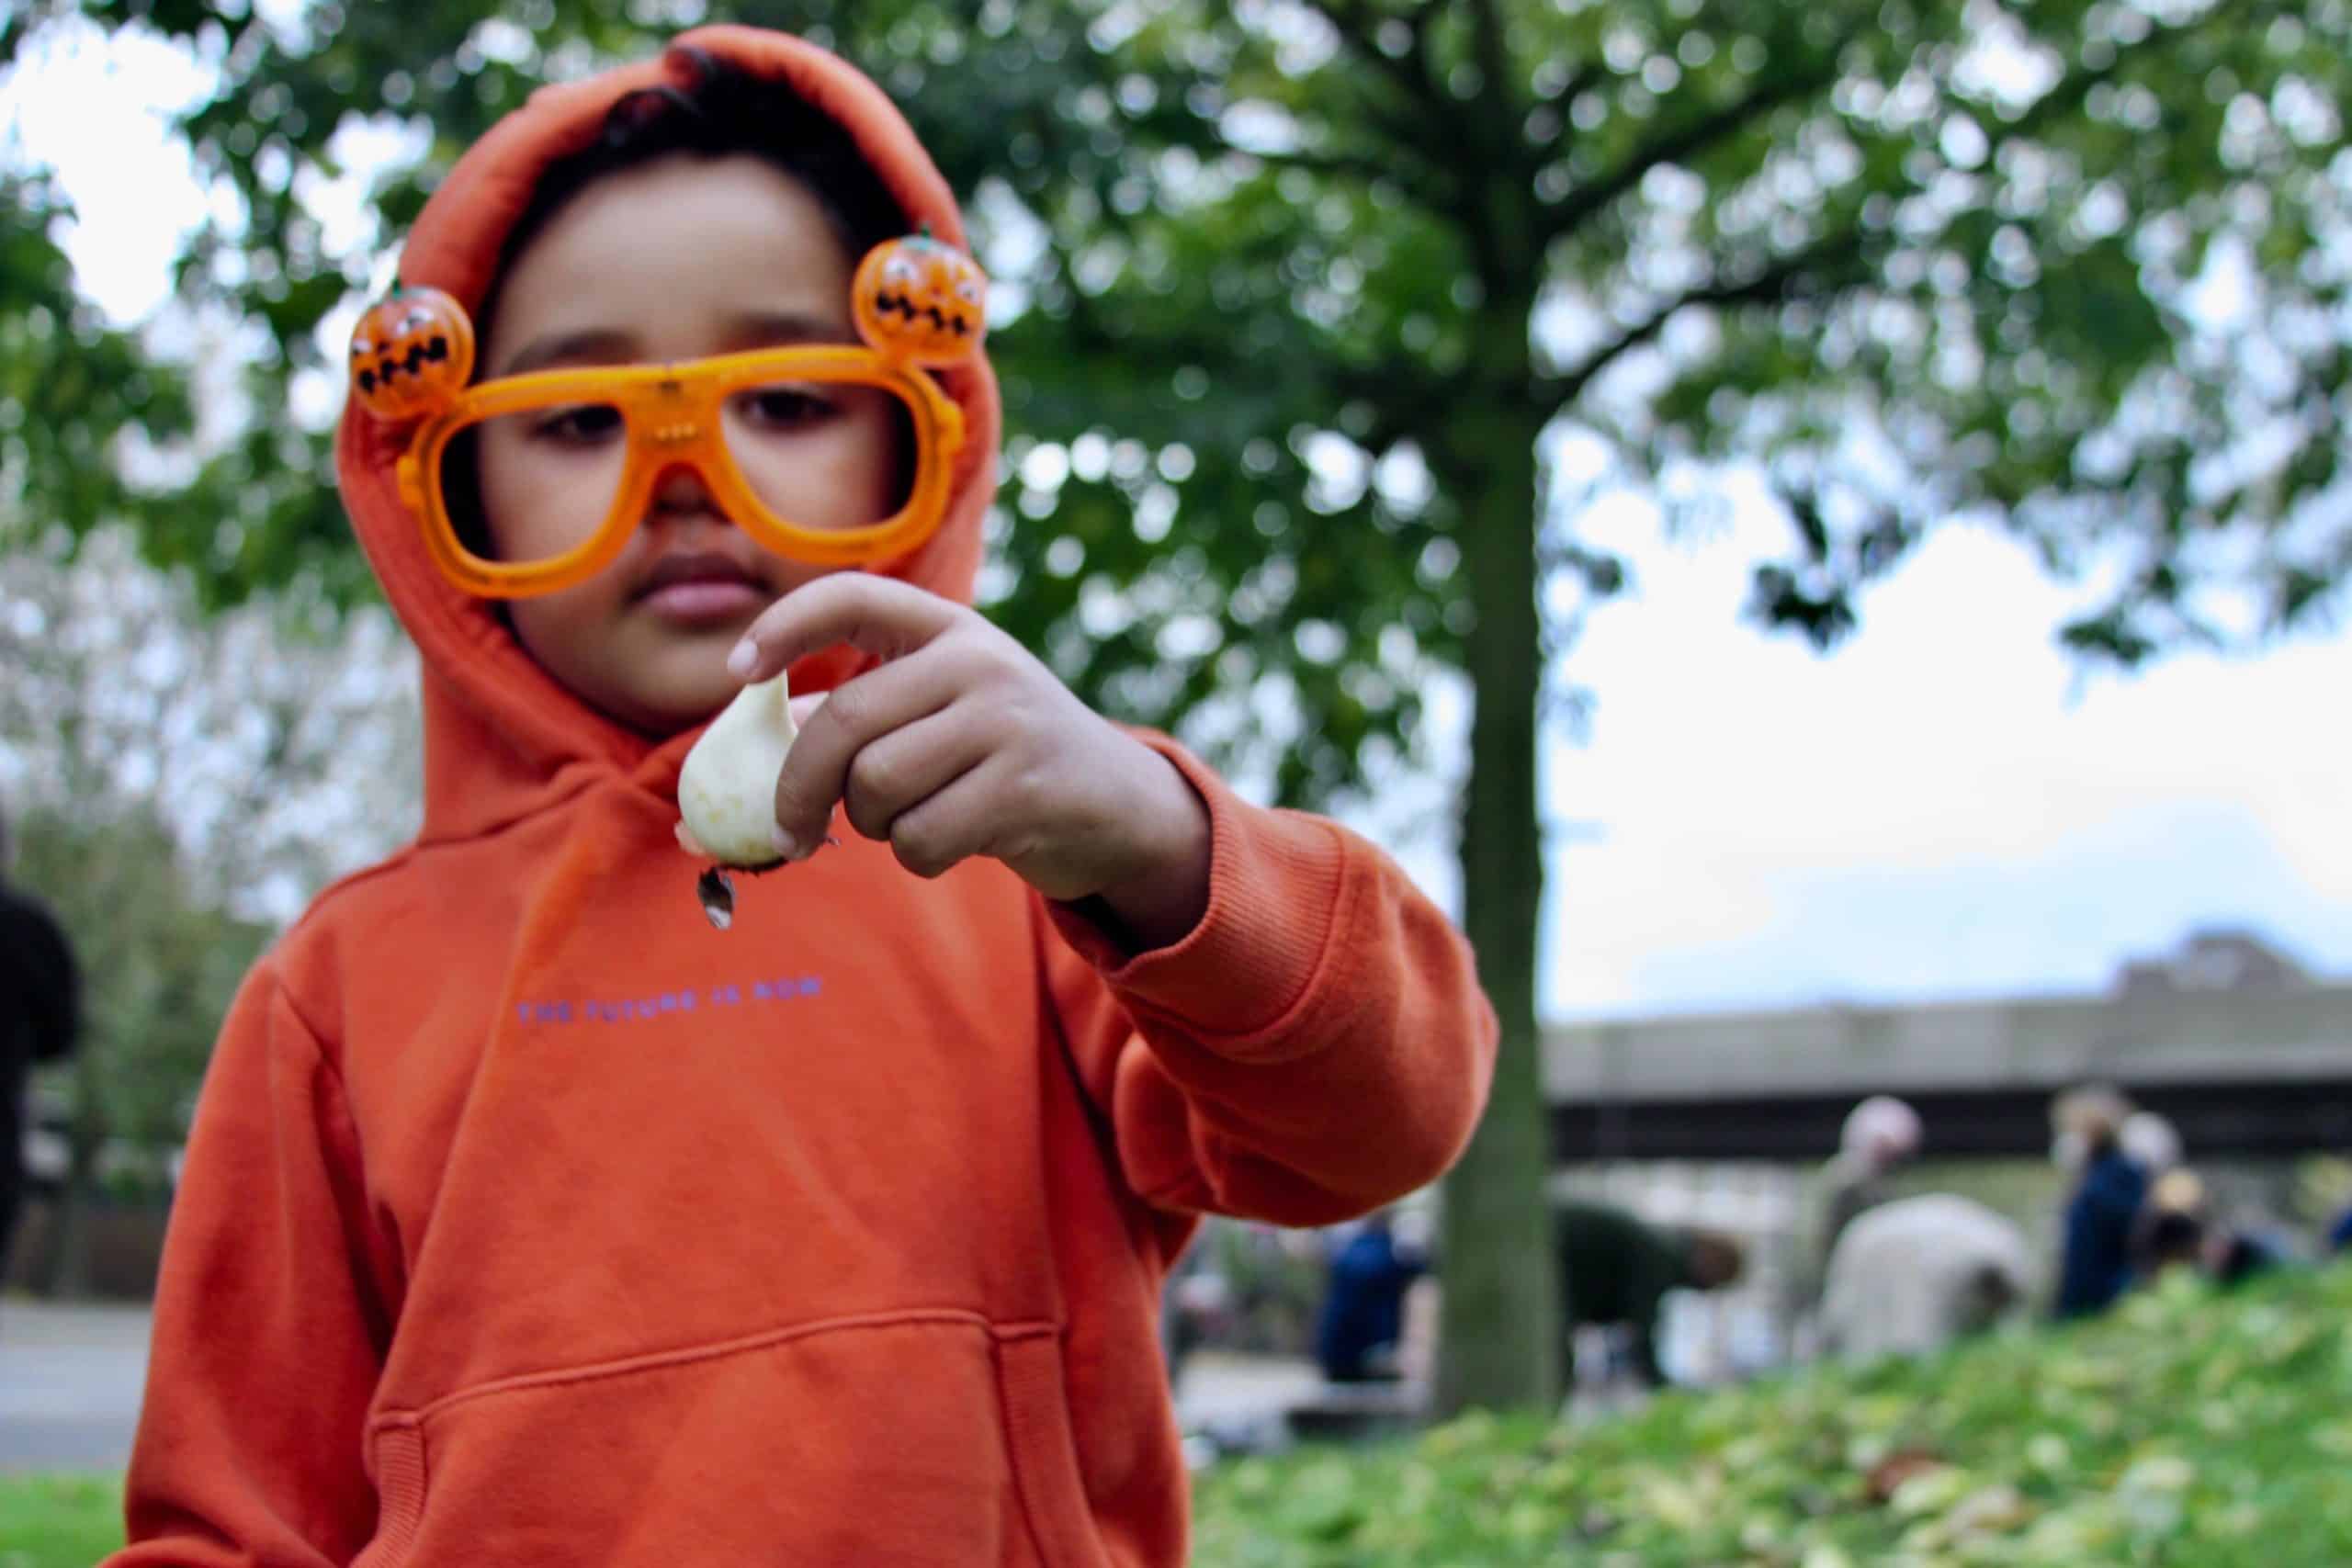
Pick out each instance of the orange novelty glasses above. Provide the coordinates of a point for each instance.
(833, 454)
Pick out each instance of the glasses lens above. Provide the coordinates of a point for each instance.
(530, 486)
(822, 455)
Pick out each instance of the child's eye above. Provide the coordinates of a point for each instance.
(783, 408)
(586, 426)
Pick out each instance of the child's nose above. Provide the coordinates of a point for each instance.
(681, 489)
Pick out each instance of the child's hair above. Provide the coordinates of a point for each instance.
(725, 110)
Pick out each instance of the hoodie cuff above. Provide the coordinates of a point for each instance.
(1276, 882)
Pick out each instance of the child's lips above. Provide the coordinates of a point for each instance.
(702, 589)
(709, 599)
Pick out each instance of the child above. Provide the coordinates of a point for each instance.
(529, 1219)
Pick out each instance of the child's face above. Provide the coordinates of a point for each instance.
(677, 258)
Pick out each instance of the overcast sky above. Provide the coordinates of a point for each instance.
(1945, 806)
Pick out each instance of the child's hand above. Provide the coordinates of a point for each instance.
(961, 743)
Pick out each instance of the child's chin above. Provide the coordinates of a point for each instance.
(687, 687)
(673, 711)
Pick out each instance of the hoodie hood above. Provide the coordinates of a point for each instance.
(502, 737)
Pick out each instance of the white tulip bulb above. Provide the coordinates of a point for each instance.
(727, 789)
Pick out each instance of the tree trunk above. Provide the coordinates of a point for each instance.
(1500, 1331)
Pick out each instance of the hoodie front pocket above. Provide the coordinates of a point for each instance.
(926, 1439)
(1044, 1450)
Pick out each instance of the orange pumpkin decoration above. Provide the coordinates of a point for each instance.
(919, 301)
(411, 353)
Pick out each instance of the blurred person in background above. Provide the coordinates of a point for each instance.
(40, 1016)
(2103, 1209)
(1879, 1136)
(2180, 1228)
(1360, 1330)
(1915, 1274)
(2152, 1142)
(1615, 1270)
(2240, 1252)
(2174, 1219)
(2340, 1234)
(2173, 1224)
(2179, 1224)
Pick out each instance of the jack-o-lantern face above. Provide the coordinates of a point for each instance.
(411, 354)
(921, 302)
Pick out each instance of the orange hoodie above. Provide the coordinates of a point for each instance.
(528, 1219)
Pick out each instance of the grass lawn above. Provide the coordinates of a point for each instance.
(57, 1521)
(2209, 1431)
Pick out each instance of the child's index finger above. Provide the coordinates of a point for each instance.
(880, 615)
(816, 772)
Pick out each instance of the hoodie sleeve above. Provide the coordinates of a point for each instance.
(1316, 1046)
(268, 1334)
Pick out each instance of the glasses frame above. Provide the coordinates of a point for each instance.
(671, 413)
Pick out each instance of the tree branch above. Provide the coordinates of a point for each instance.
(1494, 56)
(1356, 21)
(1578, 206)
(1424, 62)
(1406, 127)
(1784, 277)
(1583, 79)
(1778, 282)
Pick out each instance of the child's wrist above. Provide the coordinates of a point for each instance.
(1158, 904)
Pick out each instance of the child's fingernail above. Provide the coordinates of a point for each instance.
(746, 655)
(785, 844)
